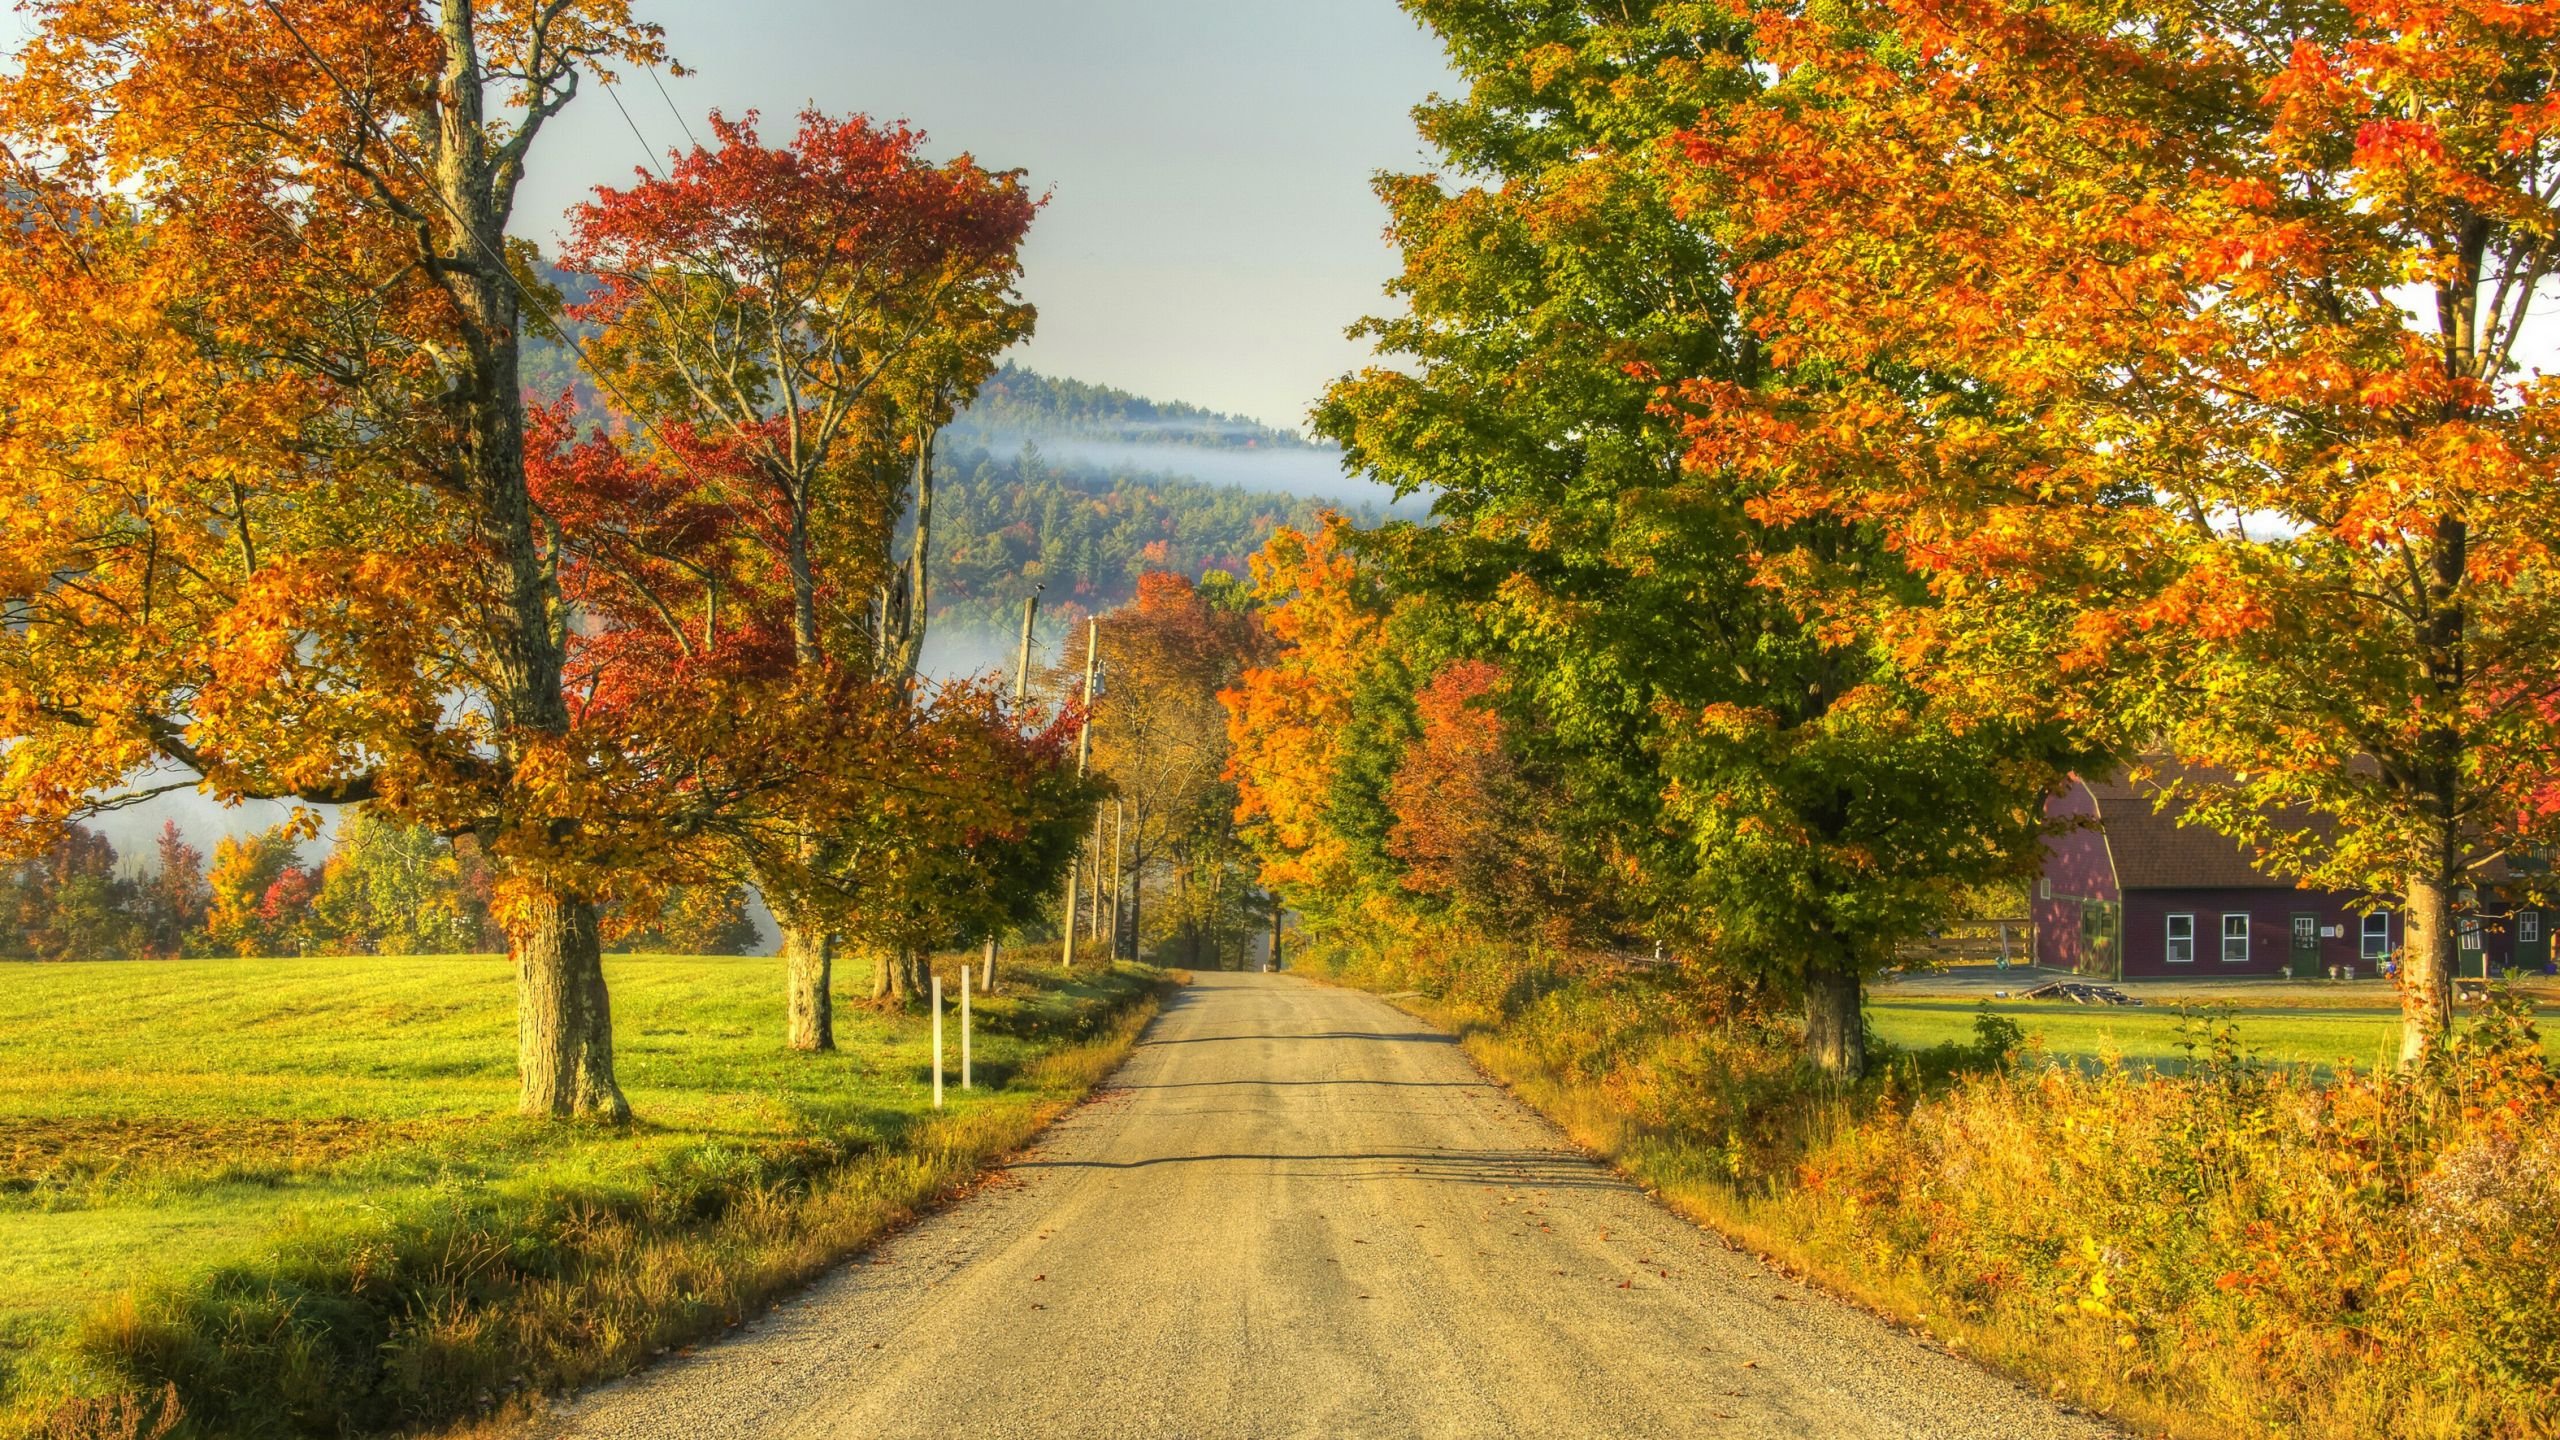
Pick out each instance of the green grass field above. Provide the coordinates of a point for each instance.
(170, 1130)
(2317, 1024)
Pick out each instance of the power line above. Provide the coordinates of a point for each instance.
(646, 149)
(681, 122)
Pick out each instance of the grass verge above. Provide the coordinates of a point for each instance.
(353, 1243)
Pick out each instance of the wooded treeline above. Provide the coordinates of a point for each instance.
(383, 889)
(1847, 420)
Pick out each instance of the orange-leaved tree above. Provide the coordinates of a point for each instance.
(262, 328)
(1289, 716)
(2180, 347)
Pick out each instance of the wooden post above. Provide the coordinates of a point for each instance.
(964, 1028)
(987, 978)
(937, 1042)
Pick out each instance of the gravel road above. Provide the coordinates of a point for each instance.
(1297, 1211)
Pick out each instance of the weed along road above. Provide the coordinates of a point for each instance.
(1298, 1212)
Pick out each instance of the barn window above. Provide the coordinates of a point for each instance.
(2377, 935)
(2235, 939)
(2529, 926)
(2182, 939)
(2044, 888)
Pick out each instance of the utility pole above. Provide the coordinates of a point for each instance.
(1022, 662)
(1084, 759)
(1119, 873)
(1094, 917)
(1021, 699)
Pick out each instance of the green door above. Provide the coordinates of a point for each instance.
(2474, 961)
(2306, 947)
(2099, 939)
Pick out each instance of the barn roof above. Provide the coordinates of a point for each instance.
(2152, 850)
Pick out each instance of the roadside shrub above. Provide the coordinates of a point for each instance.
(2224, 1249)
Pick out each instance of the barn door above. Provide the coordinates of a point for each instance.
(2306, 947)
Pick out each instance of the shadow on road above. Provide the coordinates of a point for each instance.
(1426, 1037)
(1529, 1169)
(1399, 1084)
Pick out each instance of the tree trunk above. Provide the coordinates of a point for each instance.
(565, 1028)
(808, 965)
(2427, 961)
(564, 1023)
(910, 641)
(897, 974)
(1835, 1041)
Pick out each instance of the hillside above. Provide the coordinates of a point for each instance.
(1005, 523)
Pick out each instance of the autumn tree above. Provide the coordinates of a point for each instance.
(1290, 715)
(702, 919)
(390, 888)
(965, 837)
(2183, 348)
(1160, 739)
(1710, 684)
(262, 329)
(175, 897)
(814, 314)
(245, 869)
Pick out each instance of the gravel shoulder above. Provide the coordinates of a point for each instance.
(1297, 1211)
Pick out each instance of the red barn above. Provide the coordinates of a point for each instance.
(2128, 892)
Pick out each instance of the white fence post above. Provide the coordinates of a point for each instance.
(937, 1042)
(964, 1028)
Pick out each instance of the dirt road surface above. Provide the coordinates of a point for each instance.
(1297, 1211)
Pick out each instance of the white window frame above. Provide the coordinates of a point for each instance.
(2044, 887)
(2245, 919)
(2174, 939)
(2373, 936)
(2529, 927)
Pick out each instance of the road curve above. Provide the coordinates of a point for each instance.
(1296, 1211)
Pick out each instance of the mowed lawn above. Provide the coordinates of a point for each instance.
(2315, 1023)
(161, 1118)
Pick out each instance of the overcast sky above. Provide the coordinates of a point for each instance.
(1212, 229)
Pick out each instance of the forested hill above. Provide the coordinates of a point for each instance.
(1005, 522)
(1079, 489)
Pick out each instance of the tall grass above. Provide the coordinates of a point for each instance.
(2229, 1250)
